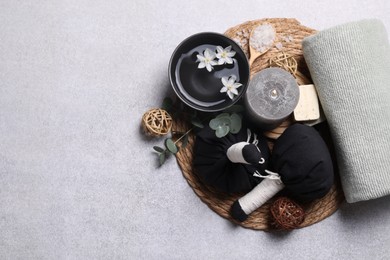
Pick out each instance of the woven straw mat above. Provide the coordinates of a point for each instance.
(221, 202)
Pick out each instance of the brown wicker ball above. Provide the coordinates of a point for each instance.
(157, 122)
(287, 214)
(285, 61)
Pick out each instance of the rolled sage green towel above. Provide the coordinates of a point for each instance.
(350, 67)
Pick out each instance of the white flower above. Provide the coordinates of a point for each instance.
(230, 86)
(206, 60)
(225, 55)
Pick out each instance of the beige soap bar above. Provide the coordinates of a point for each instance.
(308, 107)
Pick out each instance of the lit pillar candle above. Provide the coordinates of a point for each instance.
(271, 97)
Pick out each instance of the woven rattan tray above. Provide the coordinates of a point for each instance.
(221, 202)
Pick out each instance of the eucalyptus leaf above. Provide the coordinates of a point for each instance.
(215, 123)
(162, 158)
(158, 149)
(222, 131)
(167, 104)
(171, 146)
(219, 121)
(197, 122)
(235, 123)
(184, 141)
(223, 115)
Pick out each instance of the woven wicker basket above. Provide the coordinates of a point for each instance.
(221, 202)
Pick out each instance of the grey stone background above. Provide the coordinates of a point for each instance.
(78, 180)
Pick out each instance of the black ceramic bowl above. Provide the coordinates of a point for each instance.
(198, 87)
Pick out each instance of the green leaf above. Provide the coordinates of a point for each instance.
(158, 149)
(215, 123)
(235, 123)
(223, 115)
(167, 104)
(219, 121)
(171, 146)
(197, 122)
(162, 158)
(222, 131)
(184, 141)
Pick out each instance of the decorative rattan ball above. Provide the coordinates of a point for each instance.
(157, 122)
(286, 213)
(285, 61)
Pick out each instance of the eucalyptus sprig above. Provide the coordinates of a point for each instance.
(226, 123)
(230, 121)
(171, 146)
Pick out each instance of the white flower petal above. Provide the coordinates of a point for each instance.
(209, 67)
(234, 91)
(213, 63)
(228, 48)
(209, 54)
(221, 61)
(201, 65)
(219, 49)
(224, 81)
(237, 85)
(231, 54)
(223, 89)
(231, 81)
(230, 94)
(229, 60)
(234, 78)
(200, 57)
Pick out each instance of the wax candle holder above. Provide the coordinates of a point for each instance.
(271, 97)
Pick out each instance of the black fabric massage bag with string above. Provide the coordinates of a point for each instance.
(232, 163)
(238, 162)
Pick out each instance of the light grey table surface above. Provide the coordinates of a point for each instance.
(78, 180)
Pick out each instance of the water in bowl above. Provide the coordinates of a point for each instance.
(200, 86)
